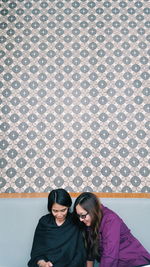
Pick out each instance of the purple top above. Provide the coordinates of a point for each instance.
(119, 248)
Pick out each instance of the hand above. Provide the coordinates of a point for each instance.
(43, 263)
(48, 264)
(89, 264)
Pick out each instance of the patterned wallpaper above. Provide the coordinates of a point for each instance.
(75, 95)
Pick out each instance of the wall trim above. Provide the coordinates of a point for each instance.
(75, 194)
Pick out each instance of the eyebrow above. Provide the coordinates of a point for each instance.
(59, 210)
(80, 214)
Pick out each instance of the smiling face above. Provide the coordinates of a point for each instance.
(83, 215)
(59, 212)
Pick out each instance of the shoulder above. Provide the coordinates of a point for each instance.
(70, 218)
(106, 211)
(110, 216)
(73, 223)
(45, 218)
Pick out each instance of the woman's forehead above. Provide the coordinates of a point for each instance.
(79, 208)
(57, 206)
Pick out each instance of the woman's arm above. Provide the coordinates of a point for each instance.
(110, 241)
(89, 264)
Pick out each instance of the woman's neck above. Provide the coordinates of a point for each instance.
(59, 222)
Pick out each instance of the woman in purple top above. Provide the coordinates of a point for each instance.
(108, 239)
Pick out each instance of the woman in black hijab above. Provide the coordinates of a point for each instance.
(58, 241)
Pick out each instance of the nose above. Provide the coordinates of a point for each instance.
(59, 214)
(81, 219)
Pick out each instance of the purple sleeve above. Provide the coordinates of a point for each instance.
(110, 241)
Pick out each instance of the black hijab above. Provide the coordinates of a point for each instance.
(62, 245)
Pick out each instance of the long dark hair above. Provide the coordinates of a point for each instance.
(89, 202)
(59, 196)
